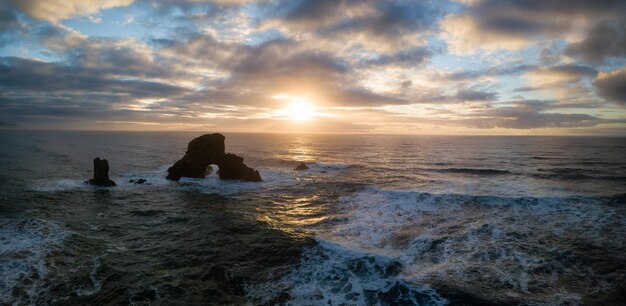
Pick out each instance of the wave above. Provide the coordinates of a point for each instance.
(24, 246)
(541, 157)
(156, 179)
(331, 166)
(574, 174)
(456, 239)
(474, 171)
(332, 275)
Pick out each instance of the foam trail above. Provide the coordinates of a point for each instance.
(332, 275)
(210, 184)
(24, 245)
(455, 238)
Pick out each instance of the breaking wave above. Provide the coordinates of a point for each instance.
(24, 246)
(332, 275)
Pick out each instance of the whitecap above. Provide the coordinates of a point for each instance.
(24, 246)
(332, 275)
(331, 166)
(461, 238)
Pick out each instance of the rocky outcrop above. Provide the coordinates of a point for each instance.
(206, 150)
(101, 173)
(232, 168)
(302, 166)
(139, 181)
(201, 152)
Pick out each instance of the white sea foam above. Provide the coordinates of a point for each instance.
(96, 284)
(59, 185)
(330, 166)
(461, 238)
(24, 245)
(157, 178)
(332, 275)
(213, 184)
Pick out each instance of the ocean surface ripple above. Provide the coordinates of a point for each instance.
(376, 220)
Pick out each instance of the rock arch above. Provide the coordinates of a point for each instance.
(209, 149)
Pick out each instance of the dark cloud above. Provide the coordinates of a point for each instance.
(519, 114)
(490, 72)
(548, 56)
(532, 120)
(513, 23)
(584, 7)
(314, 11)
(409, 58)
(8, 17)
(526, 89)
(533, 114)
(279, 59)
(32, 87)
(391, 19)
(475, 95)
(612, 86)
(363, 97)
(572, 70)
(9, 24)
(604, 40)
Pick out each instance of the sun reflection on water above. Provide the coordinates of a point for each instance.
(301, 150)
(294, 215)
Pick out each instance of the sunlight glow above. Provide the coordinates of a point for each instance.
(299, 109)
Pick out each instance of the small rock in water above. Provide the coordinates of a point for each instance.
(101, 174)
(139, 181)
(302, 166)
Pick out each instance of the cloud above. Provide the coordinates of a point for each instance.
(561, 73)
(475, 95)
(410, 58)
(38, 88)
(606, 39)
(515, 24)
(8, 19)
(495, 71)
(373, 26)
(567, 83)
(57, 10)
(369, 63)
(612, 85)
(516, 114)
(391, 19)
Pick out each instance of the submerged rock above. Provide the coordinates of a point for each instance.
(101, 173)
(302, 166)
(206, 150)
(138, 181)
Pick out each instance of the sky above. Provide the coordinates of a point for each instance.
(466, 67)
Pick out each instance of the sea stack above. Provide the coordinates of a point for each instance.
(206, 150)
(302, 166)
(101, 173)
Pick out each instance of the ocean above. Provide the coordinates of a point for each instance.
(376, 220)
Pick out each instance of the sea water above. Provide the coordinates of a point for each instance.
(376, 220)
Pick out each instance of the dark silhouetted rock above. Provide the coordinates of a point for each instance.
(232, 168)
(101, 173)
(201, 152)
(139, 181)
(302, 166)
(206, 150)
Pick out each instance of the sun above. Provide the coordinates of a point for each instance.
(299, 109)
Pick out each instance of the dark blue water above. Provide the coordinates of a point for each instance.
(377, 220)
